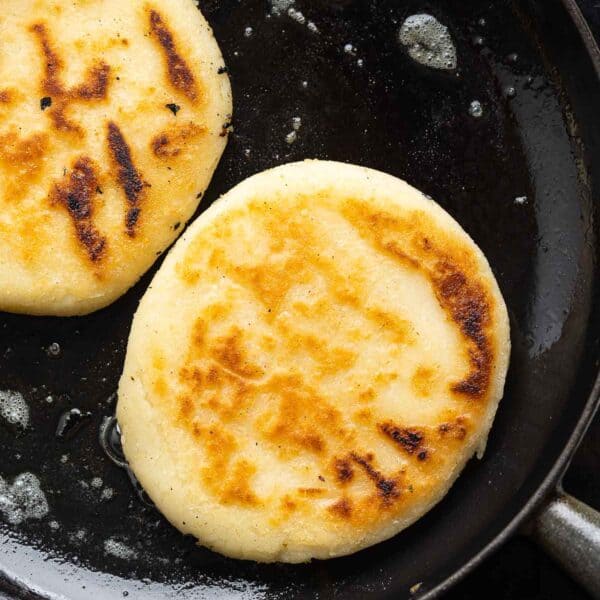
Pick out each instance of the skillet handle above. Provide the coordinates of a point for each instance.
(569, 531)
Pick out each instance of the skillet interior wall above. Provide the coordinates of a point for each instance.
(393, 115)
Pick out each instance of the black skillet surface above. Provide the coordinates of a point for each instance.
(389, 113)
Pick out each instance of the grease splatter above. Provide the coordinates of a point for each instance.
(13, 408)
(23, 500)
(428, 42)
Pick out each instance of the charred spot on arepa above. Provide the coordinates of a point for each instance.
(342, 508)
(76, 194)
(180, 75)
(343, 470)
(469, 308)
(456, 429)
(387, 488)
(409, 439)
(53, 63)
(128, 176)
(94, 86)
(461, 296)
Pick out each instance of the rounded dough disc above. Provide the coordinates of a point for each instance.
(112, 119)
(313, 365)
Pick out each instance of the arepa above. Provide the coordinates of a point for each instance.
(113, 117)
(313, 364)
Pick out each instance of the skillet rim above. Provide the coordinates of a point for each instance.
(552, 480)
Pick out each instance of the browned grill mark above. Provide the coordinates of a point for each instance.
(170, 143)
(5, 96)
(409, 440)
(229, 351)
(128, 176)
(342, 508)
(462, 297)
(457, 430)
(160, 145)
(54, 64)
(469, 309)
(180, 74)
(387, 488)
(76, 193)
(343, 470)
(94, 87)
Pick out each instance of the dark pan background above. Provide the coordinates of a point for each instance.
(399, 117)
(520, 569)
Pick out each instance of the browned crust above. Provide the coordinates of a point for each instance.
(171, 142)
(467, 304)
(76, 193)
(452, 276)
(456, 430)
(128, 176)
(94, 86)
(229, 352)
(410, 440)
(179, 73)
(23, 158)
(343, 470)
(387, 488)
(342, 508)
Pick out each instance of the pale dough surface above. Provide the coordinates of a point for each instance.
(97, 173)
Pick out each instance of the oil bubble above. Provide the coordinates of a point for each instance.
(119, 549)
(23, 500)
(475, 109)
(13, 408)
(110, 441)
(296, 15)
(107, 494)
(54, 350)
(428, 42)
(279, 7)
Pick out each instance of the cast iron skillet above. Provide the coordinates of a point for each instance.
(541, 142)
